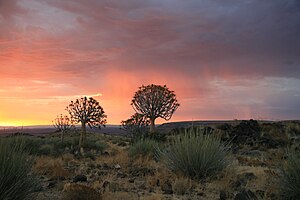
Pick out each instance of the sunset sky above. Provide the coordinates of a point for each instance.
(225, 59)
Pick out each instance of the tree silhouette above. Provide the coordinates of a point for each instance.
(63, 124)
(155, 101)
(136, 125)
(86, 111)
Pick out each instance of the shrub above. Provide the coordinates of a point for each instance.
(157, 136)
(100, 146)
(291, 176)
(196, 155)
(143, 148)
(46, 150)
(94, 144)
(29, 144)
(16, 179)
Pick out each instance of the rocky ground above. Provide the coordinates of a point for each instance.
(258, 155)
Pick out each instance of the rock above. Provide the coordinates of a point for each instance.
(242, 180)
(51, 184)
(106, 153)
(248, 176)
(105, 184)
(117, 166)
(223, 195)
(105, 166)
(131, 180)
(167, 188)
(140, 183)
(80, 178)
(247, 132)
(121, 175)
(245, 195)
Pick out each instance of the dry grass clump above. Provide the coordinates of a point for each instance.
(118, 157)
(75, 191)
(52, 167)
(181, 186)
(120, 196)
(291, 176)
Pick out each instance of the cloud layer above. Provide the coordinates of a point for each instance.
(224, 59)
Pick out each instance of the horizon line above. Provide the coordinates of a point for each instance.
(201, 120)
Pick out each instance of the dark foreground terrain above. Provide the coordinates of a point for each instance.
(112, 167)
(48, 129)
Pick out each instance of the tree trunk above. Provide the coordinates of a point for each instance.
(62, 136)
(152, 126)
(82, 135)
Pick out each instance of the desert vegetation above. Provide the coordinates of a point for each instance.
(214, 161)
(17, 181)
(188, 160)
(86, 111)
(155, 101)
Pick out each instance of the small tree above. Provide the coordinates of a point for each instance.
(155, 101)
(86, 111)
(63, 124)
(136, 125)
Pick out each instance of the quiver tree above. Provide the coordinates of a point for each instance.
(63, 124)
(155, 101)
(86, 111)
(136, 125)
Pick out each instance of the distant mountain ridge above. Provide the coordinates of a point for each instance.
(116, 129)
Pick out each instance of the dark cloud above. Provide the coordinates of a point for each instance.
(258, 38)
(232, 55)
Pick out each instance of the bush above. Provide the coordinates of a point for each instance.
(95, 145)
(144, 147)
(100, 146)
(16, 179)
(46, 150)
(144, 135)
(196, 155)
(29, 144)
(291, 176)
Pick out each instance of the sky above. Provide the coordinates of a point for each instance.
(224, 59)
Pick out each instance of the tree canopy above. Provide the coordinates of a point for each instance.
(86, 111)
(155, 101)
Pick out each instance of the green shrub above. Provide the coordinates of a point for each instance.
(157, 136)
(30, 144)
(94, 144)
(46, 150)
(144, 147)
(16, 179)
(100, 146)
(291, 176)
(196, 155)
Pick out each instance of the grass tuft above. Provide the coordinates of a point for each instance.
(196, 155)
(16, 178)
(143, 148)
